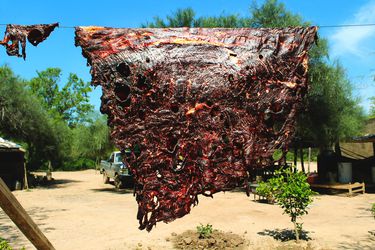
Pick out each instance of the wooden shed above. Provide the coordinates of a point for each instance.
(12, 164)
(360, 151)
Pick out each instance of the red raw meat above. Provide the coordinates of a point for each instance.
(16, 34)
(197, 107)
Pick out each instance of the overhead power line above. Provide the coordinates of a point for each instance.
(346, 25)
(320, 26)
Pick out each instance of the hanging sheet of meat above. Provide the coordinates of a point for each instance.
(16, 34)
(193, 109)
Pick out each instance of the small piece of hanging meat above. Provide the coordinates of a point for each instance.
(16, 34)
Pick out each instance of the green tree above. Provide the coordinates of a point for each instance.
(331, 111)
(24, 119)
(372, 107)
(70, 102)
(273, 14)
(222, 21)
(36, 114)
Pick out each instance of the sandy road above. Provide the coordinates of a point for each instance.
(79, 212)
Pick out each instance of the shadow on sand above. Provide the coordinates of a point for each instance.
(114, 190)
(59, 183)
(10, 232)
(284, 234)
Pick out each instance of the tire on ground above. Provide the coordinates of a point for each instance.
(105, 178)
(118, 182)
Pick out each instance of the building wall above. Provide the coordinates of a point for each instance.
(12, 168)
(360, 150)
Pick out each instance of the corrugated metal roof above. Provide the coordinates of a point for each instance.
(8, 144)
(365, 138)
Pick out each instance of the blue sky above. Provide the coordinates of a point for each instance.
(353, 47)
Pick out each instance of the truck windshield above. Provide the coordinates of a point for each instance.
(118, 158)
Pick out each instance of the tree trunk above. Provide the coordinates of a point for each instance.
(302, 164)
(309, 160)
(296, 230)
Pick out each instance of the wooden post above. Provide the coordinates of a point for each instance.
(26, 182)
(49, 172)
(295, 155)
(309, 160)
(19, 216)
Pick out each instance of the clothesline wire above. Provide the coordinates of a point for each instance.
(320, 26)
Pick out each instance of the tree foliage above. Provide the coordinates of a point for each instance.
(273, 14)
(92, 140)
(70, 102)
(331, 112)
(180, 18)
(372, 107)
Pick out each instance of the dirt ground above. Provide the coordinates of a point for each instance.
(79, 212)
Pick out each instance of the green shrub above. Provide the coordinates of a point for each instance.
(264, 189)
(204, 231)
(292, 192)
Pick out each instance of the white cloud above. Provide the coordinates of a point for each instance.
(354, 40)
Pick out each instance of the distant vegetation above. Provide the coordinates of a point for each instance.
(54, 122)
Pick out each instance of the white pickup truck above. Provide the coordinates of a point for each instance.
(115, 169)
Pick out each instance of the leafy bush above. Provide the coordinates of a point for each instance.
(204, 231)
(264, 189)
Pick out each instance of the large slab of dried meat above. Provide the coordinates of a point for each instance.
(193, 109)
(17, 34)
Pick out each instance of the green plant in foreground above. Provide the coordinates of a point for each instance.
(373, 209)
(4, 245)
(204, 231)
(292, 192)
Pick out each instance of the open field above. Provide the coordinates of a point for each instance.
(79, 212)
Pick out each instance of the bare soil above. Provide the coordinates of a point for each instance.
(218, 240)
(77, 211)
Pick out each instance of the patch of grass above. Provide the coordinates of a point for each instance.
(204, 231)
